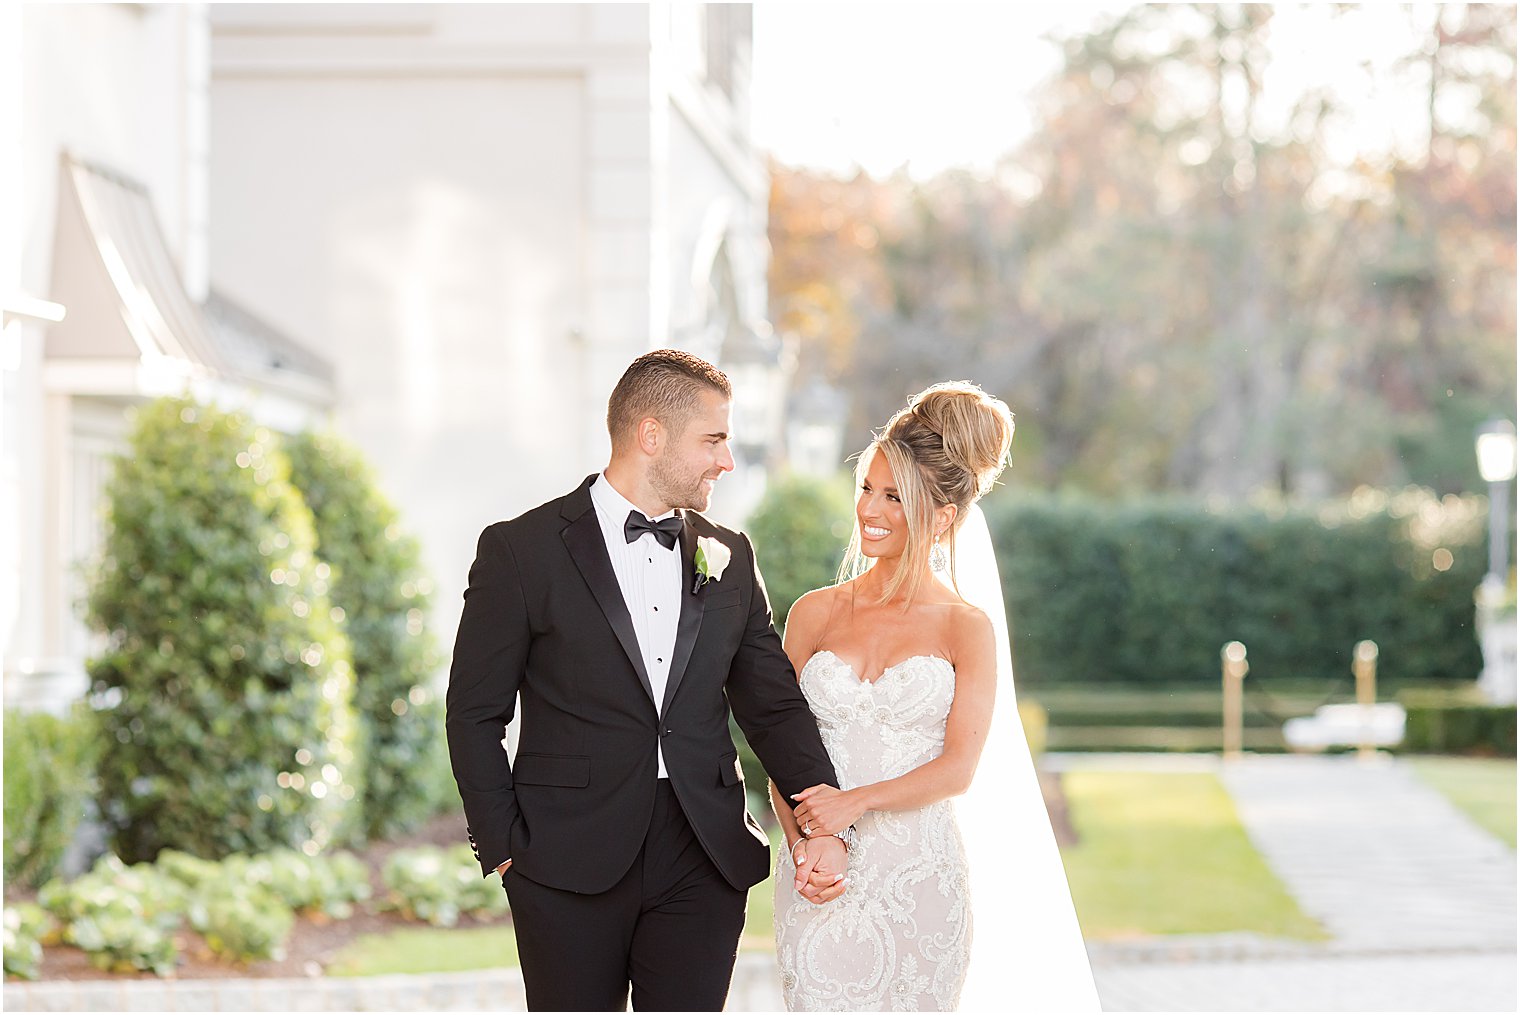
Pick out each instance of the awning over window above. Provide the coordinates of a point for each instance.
(127, 306)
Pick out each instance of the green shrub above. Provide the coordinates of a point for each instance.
(242, 922)
(25, 926)
(800, 529)
(380, 587)
(438, 885)
(1148, 593)
(327, 884)
(192, 872)
(49, 776)
(123, 917)
(229, 724)
(1456, 721)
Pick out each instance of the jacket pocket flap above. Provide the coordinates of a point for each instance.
(552, 770)
(730, 771)
(718, 600)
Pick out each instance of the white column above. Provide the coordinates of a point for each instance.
(624, 313)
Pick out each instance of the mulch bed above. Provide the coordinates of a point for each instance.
(312, 943)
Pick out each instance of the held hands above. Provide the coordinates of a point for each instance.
(824, 810)
(820, 865)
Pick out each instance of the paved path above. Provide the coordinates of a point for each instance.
(756, 988)
(1394, 983)
(1380, 858)
(1420, 903)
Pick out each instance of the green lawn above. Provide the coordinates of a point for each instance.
(427, 950)
(1484, 788)
(1164, 853)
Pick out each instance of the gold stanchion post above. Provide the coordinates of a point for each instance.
(1233, 659)
(1364, 665)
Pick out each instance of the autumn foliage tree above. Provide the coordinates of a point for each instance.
(1181, 285)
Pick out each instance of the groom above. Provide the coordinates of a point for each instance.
(629, 625)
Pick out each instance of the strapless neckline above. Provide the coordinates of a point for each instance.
(885, 670)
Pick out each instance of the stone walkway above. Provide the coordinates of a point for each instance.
(1419, 900)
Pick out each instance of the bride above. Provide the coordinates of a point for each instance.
(905, 663)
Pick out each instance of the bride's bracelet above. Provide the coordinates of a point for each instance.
(801, 841)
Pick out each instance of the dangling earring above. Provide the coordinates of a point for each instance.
(938, 558)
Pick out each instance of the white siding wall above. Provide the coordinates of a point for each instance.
(479, 214)
(121, 85)
(424, 235)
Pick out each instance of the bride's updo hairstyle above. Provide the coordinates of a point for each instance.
(948, 445)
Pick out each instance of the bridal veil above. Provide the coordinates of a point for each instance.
(1027, 952)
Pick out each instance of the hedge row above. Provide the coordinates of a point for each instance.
(1456, 722)
(1148, 593)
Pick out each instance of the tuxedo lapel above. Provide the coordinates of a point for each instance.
(583, 538)
(693, 604)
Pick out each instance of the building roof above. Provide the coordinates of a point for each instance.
(126, 302)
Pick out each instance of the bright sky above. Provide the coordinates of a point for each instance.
(931, 85)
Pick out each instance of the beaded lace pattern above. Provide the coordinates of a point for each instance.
(899, 938)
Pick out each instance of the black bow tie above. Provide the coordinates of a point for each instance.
(665, 530)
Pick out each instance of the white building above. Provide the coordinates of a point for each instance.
(105, 299)
(445, 227)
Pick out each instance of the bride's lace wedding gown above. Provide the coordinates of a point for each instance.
(899, 938)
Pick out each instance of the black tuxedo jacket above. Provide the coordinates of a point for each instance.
(544, 619)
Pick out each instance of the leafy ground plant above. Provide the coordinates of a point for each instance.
(242, 922)
(326, 885)
(123, 917)
(25, 926)
(437, 885)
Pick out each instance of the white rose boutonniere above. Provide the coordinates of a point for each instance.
(711, 561)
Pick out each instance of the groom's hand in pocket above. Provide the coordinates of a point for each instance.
(821, 871)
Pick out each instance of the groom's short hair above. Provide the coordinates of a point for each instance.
(666, 384)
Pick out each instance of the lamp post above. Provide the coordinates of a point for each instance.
(1496, 627)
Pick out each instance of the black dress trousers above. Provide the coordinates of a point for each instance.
(669, 928)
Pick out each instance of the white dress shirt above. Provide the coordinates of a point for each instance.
(649, 577)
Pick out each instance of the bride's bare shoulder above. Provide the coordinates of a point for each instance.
(970, 629)
(809, 614)
(814, 601)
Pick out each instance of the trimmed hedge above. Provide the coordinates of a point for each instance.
(379, 585)
(1148, 593)
(1443, 721)
(49, 776)
(225, 684)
